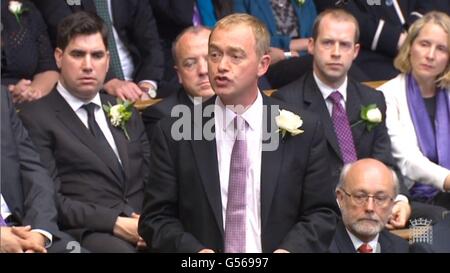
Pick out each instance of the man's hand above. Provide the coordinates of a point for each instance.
(124, 90)
(400, 215)
(447, 183)
(127, 229)
(148, 90)
(277, 55)
(19, 240)
(300, 44)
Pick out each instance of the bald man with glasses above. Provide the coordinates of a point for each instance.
(365, 195)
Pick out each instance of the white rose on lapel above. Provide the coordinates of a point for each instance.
(288, 122)
(301, 2)
(370, 115)
(374, 115)
(119, 114)
(15, 7)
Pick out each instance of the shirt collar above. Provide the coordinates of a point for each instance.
(357, 242)
(327, 90)
(252, 115)
(74, 102)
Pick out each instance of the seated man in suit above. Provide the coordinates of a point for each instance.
(99, 166)
(28, 210)
(338, 100)
(137, 61)
(190, 52)
(365, 194)
(216, 191)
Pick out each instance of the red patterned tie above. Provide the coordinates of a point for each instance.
(365, 248)
(342, 128)
(235, 213)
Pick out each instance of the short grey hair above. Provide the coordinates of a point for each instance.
(347, 168)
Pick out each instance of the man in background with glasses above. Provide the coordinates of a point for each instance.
(365, 195)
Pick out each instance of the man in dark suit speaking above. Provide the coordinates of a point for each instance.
(99, 167)
(226, 190)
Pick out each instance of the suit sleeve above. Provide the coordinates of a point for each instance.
(316, 223)
(71, 213)
(378, 35)
(150, 116)
(146, 38)
(38, 189)
(178, 12)
(159, 224)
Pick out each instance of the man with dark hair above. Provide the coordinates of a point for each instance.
(99, 161)
(137, 61)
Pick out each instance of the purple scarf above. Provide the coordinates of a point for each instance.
(434, 145)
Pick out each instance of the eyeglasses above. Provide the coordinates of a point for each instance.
(362, 198)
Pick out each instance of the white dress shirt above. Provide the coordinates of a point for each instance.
(126, 60)
(76, 104)
(327, 90)
(357, 242)
(224, 142)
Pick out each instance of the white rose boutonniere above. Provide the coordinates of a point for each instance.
(15, 7)
(288, 122)
(301, 2)
(370, 115)
(119, 114)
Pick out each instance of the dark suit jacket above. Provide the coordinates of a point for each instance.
(151, 115)
(389, 243)
(183, 210)
(304, 94)
(25, 184)
(134, 23)
(91, 194)
(378, 63)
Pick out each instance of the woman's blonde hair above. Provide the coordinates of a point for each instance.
(402, 61)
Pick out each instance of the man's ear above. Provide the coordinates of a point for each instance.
(180, 81)
(357, 48)
(58, 56)
(311, 46)
(263, 64)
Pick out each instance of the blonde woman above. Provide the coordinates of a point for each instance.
(418, 109)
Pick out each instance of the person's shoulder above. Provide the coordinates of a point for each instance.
(398, 244)
(294, 88)
(365, 91)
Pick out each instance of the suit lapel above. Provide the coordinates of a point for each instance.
(342, 239)
(270, 162)
(353, 108)
(120, 140)
(71, 121)
(315, 103)
(205, 155)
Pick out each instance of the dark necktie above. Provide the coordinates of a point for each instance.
(101, 139)
(2, 221)
(365, 248)
(236, 204)
(342, 128)
(115, 65)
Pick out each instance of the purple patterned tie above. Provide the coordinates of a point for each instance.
(342, 128)
(2, 221)
(196, 20)
(235, 214)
